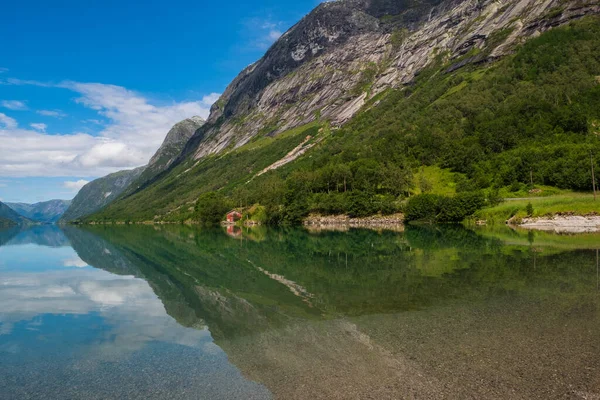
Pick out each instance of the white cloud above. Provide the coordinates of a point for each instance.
(274, 34)
(134, 129)
(210, 99)
(93, 121)
(263, 32)
(39, 127)
(52, 113)
(75, 262)
(14, 81)
(15, 105)
(75, 185)
(3, 70)
(8, 122)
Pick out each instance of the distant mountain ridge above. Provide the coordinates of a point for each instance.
(46, 212)
(99, 193)
(9, 217)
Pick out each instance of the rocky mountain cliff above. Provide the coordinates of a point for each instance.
(346, 52)
(45, 212)
(99, 193)
(168, 152)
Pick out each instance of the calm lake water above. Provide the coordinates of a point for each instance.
(182, 313)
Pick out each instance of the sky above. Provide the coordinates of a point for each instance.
(90, 88)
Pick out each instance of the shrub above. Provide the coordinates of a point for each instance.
(361, 204)
(529, 209)
(423, 207)
(456, 209)
(211, 207)
(443, 209)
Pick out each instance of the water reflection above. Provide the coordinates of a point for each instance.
(427, 312)
(68, 330)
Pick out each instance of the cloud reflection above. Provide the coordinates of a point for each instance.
(75, 262)
(131, 311)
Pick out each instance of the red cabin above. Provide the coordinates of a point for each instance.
(233, 216)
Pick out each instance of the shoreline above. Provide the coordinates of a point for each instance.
(562, 224)
(394, 222)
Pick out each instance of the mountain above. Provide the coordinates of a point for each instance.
(168, 152)
(345, 53)
(6, 223)
(98, 194)
(9, 217)
(46, 212)
(175, 141)
(364, 102)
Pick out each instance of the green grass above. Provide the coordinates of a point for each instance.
(538, 191)
(575, 203)
(264, 141)
(436, 181)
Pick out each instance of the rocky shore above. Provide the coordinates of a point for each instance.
(563, 224)
(393, 222)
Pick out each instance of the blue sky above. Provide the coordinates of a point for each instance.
(89, 88)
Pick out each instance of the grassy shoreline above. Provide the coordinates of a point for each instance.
(565, 204)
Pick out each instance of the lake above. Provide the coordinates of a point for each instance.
(175, 312)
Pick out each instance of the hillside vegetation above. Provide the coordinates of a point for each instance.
(531, 116)
(9, 217)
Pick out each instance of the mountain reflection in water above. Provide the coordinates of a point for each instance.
(428, 313)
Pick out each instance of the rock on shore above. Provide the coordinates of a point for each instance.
(393, 222)
(563, 224)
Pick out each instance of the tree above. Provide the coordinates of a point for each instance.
(211, 207)
(529, 210)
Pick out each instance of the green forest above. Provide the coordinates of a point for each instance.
(531, 118)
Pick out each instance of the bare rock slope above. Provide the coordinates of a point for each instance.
(346, 52)
(174, 142)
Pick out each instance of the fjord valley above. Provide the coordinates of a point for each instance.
(43, 212)
(362, 105)
(394, 199)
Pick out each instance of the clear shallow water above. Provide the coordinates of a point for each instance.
(176, 312)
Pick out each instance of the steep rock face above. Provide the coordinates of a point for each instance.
(175, 141)
(99, 193)
(344, 53)
(46, 212)
(168, 152)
